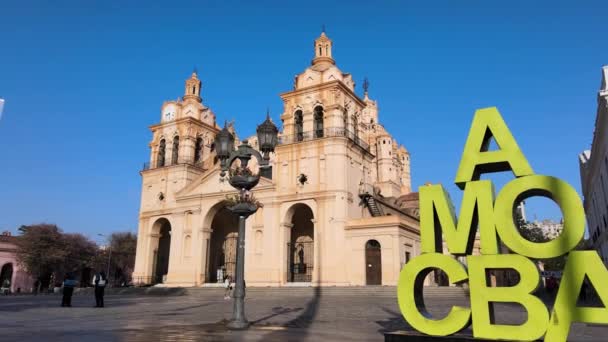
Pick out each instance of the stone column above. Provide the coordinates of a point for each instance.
(175, 260)
(284, 239)
(141, 252)
(150, 264)
(203, 265)
(318, 235)
(186, 154)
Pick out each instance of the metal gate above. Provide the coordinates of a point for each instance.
(229, 264)
(300, 261)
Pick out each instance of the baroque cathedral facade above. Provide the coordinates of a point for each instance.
(338, 209)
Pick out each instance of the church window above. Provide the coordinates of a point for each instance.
(175, 155)
(198, 151)
(318, 122)
(320, 51)
(299, 126)
(356, 126)
(161, 154)
(193, 90)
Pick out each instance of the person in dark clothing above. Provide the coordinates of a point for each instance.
(100, 282)
(68, 290)
(36, 286)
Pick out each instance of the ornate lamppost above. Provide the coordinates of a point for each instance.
(243, 204)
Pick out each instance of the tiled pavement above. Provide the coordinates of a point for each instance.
(199, 316)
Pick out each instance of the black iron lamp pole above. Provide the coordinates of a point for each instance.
(243, 204)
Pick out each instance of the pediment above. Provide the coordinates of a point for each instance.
(208, 184)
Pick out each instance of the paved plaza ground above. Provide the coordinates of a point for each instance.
(199, 315)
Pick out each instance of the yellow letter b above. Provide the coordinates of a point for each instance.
(483, 296)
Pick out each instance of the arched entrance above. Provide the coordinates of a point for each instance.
(373, 263)
(300, 248)
(222, 246)
(161, 253)
(6, 277)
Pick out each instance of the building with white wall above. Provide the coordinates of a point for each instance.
(594, 175)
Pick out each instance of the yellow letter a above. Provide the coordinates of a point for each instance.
(565, 311)
(476, 159)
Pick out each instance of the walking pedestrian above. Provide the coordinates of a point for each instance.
(100, 282)
(228, 286)
(68, 290)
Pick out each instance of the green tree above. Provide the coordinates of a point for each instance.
(79, 252)
(533, 232)
(45, 251)
(39, 250)
(121, 254)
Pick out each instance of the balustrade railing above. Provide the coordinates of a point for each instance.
(325, 133)
(198, 164)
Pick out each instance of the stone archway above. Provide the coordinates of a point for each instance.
(6, 277)
(222, 246)
(373, 263)
(160, 267)
(301, 244)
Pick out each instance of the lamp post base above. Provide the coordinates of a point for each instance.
(238, 325)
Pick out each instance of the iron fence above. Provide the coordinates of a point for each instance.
(300, 261)
(325, 133)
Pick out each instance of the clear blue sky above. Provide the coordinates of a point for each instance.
(82, 85)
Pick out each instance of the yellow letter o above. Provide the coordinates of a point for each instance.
(537, 185)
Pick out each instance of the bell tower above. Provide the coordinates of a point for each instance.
(323, 50)
(193, 88)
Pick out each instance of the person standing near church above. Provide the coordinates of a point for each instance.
(100, 282)
(228, 286)
(68, 290)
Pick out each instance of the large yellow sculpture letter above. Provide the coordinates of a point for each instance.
(565, 311)
(411, 303)
(482, 297)
(437, 217)
(546, 186)
(476, 159)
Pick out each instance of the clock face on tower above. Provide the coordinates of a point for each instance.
(168, 113)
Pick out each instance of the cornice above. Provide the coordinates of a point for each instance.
(324, 86)
(187, 119)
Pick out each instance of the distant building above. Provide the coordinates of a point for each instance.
(594, 175)
(551, 229)
(13, 278)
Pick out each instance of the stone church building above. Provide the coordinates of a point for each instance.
(338, 209)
